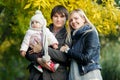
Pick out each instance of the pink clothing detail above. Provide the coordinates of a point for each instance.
(36, 35)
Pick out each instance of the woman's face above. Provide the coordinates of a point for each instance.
(59, 20)
(76, 21)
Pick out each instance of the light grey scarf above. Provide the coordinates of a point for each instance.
(46, 57)
(74, 71)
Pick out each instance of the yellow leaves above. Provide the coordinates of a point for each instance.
(5, 45)
(97, 15)
(114, 16)
(71, 1)
(27, 6)
(37, 4)
(105, 16)
(99, 28)
(29, 3)
(64, 2)
(106, 27)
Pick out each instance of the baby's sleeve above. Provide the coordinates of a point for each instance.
(25, 42)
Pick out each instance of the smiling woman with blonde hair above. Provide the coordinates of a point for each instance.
(85, 49)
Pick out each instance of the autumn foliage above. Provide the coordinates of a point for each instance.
(105, 16)
(14, 22)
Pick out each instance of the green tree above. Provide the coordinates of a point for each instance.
(15, 16)
(12, 28)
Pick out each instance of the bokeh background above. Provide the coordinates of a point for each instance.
(14, 21)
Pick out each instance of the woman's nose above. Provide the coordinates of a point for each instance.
(73, 20)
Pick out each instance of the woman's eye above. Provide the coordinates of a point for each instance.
(76, 18)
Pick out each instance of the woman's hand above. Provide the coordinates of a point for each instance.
(64, 48)
(36, 48)
(42, 63)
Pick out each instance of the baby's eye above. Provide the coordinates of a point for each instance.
(36, 21)
(32, 22)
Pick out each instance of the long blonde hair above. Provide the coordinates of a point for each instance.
(87, 21)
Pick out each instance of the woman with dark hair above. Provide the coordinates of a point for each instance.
(59, 15)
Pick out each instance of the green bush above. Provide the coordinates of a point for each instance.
(110, 57)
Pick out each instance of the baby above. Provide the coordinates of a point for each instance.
(39, 33)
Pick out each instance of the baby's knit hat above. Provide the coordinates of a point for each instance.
(38, 17)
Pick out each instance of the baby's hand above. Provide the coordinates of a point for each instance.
(22, 53)
(55, 46)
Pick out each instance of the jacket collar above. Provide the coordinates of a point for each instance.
(76, 34)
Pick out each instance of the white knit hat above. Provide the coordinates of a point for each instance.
(38, 17)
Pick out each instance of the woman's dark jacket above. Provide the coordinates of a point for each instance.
(57, 56)
(85, 49)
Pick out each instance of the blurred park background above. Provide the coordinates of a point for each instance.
(14, 21)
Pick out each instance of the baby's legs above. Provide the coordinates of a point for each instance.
(37, 66)
(50, 65)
